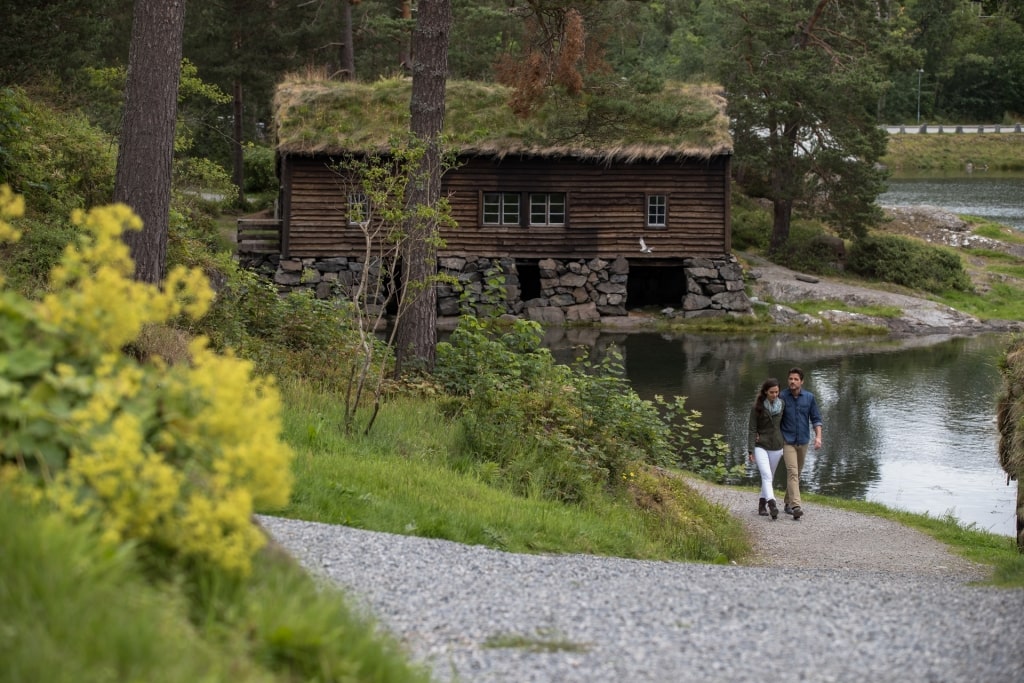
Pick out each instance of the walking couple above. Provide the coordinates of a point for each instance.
(780, 429)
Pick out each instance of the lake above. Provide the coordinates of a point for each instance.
(997, 197)
(908, 424)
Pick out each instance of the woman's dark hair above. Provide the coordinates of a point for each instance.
(763, 393)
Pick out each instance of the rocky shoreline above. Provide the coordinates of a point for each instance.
(918, 317)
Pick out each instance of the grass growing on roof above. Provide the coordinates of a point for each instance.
(321, 116)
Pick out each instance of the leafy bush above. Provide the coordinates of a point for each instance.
(805, 250)
(751, 225)
(552, 430)
(59, 163)
(907, 262)
(260, 170)
(176, 457)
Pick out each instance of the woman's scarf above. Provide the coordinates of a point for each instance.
(773, 407)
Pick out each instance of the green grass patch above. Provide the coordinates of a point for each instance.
(983, 547)
(951, 152)
(1003, 301)
(995, 231)
(1016, 270)
(407, 477)
(546, 640)
(78, 609)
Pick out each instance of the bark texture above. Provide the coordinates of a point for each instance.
(144, 159)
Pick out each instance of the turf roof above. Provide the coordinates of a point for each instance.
(319, 116)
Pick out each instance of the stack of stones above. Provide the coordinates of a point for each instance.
(570, 290)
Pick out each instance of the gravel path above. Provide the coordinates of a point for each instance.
(836, 596)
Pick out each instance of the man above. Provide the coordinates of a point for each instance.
(801, 411)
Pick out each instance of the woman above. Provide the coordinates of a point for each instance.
(764, 442)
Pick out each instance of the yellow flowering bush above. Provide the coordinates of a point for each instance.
(175, 456)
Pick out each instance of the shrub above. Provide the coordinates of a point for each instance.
(907, 262)
(260, 170)
(751, 225)
(175, 457)
(553, 430)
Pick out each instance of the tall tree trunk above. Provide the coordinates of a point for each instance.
(416, 335)
(404, 60)
(145, 155)
(782, 212)
(237, 157)
(347, 58)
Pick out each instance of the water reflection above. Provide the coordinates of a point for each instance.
(908, 424)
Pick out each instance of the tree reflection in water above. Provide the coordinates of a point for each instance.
(908, 424)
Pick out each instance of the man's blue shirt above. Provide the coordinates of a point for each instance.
(799, 417)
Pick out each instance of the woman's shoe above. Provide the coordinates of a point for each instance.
(773, 509)
(761, 509)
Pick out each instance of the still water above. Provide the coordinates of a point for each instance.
(907, 424)
(994, 196)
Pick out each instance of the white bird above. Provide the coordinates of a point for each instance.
(644, 249)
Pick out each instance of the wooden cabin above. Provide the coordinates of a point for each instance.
(565, 206)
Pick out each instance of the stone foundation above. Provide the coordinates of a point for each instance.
(568, 290)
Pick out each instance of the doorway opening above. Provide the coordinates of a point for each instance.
(655, 286)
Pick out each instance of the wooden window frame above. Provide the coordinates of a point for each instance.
(564, 213)
(651, 209)
(357, 199)
(504, 202)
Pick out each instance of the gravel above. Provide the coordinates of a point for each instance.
(836, 596)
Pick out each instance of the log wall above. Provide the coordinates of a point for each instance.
(606, 205)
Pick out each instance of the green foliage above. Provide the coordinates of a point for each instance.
(806, 250)
(77, 609)
(751, 224)
(802, 97)
(907, 262)
(410, 476)
(291, 337)
(260, 170)
(150, 452)
(551, 430)
(59, 163)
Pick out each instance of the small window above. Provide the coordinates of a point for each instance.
(358, 208)
(657, 210)
(547, 209)
(501, 208)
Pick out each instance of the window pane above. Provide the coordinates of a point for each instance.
(656, 209)
(556, 209)
(358, 207)
(492, 208)
(510, 208)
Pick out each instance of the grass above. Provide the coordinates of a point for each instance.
(1003, 301)
(546, 640)
(951, 152)
(75, 609)
(406, 478)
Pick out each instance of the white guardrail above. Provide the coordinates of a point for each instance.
(954, 128)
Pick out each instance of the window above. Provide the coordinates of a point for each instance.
(501, 208)
(657, 210)
(547, 209)
(358, 208)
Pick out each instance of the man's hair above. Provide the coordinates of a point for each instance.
(797, 371)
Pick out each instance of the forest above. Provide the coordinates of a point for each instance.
(938, 60)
